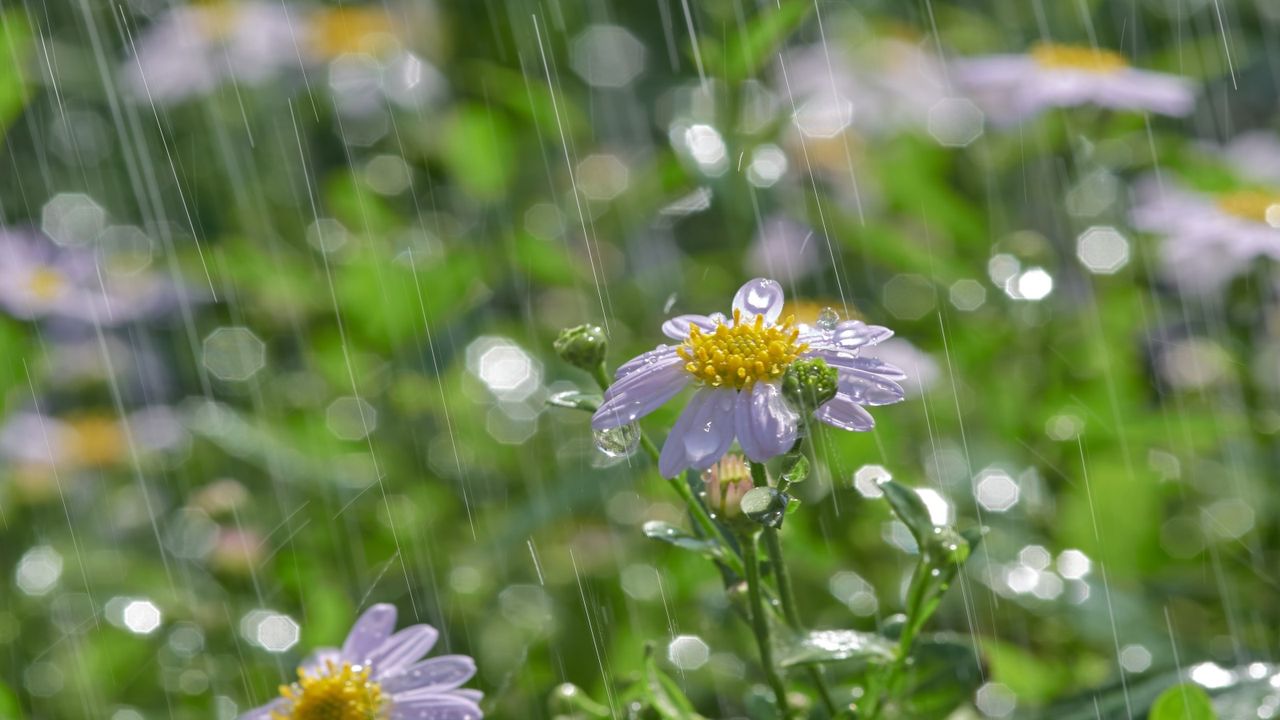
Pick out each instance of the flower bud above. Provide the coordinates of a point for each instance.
(808, 384)
(727, 481)
(583, 346)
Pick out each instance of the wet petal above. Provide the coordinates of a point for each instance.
(641, 392)
(703, 433)
(263, 712)
(433, 706)
(371, 630)
(677, 328)
(766, 425)
(643, 359)
(439, 673)
(842, 412)
(867, 388)
(760, 296)
(403, 648)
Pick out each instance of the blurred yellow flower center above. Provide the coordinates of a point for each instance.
(96, 441)
(1078, 57)
(336, 693)
(45, 283)
(352, 30)
(217, 18)
(1256, 205)
(738, 355)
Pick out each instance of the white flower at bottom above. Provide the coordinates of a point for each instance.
(1208, 239)
(377, 675)
(737, 365)
(1012, 88)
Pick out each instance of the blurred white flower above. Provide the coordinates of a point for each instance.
(1016, 87)
(786, 249)
(1207, 239)
(192, 49)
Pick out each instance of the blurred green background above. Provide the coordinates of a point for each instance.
(372, 225)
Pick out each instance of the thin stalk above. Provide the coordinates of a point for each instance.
(773, 546)
(884, 685)
(760, 625)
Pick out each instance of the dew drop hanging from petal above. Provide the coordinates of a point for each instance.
(618, 442)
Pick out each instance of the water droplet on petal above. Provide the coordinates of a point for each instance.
(618, 442)
(828, 318)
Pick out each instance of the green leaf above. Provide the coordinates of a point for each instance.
(569, 699)
(665, 695)
(1183, 702)
(10, 708)
(575, 400)
(672, 535)
(478, 148)
(744, 53)
(910, 509)
(15, 43)
(944, 674)
(797, 469)
(826, 646)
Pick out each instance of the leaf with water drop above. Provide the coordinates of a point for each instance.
(827, 646)
(672, 535)
(765, 505)
(910, 509)
(575, 400)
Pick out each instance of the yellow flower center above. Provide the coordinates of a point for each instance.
(217, 18)
(96, 441)
(1256, 205)
(1078, 57)
(45, 283)
(335, 693)
(352, 30)
(738, 355)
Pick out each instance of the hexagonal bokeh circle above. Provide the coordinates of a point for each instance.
(234, 354)
(607, 56)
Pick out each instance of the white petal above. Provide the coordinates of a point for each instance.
(641, 392)
(842, 412)
(264, 712)
(437, 674)
(765, 424)
(370, 631)
(760, 296)
(677, 328)
(402, 649)
(433, 707)
(643, 359)
(703, 433)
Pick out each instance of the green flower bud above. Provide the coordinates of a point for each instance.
(583, 346)
(808, 384)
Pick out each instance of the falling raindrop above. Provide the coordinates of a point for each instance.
(618, 442)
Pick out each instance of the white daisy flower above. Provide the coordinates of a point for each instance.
(378, 676)
(737, 365)
(1208, 239)
(192, 49)
(1255, 156)
(1013, 88)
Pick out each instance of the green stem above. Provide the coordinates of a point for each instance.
(885, 684)
(760, 625)
(773, 546)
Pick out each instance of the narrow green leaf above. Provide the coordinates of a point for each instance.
(665, 695)
(672, 535)
(825, 646)
(15, 43)
(1183, 702)
(575, 400)
(746, 52)
(910, 509)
